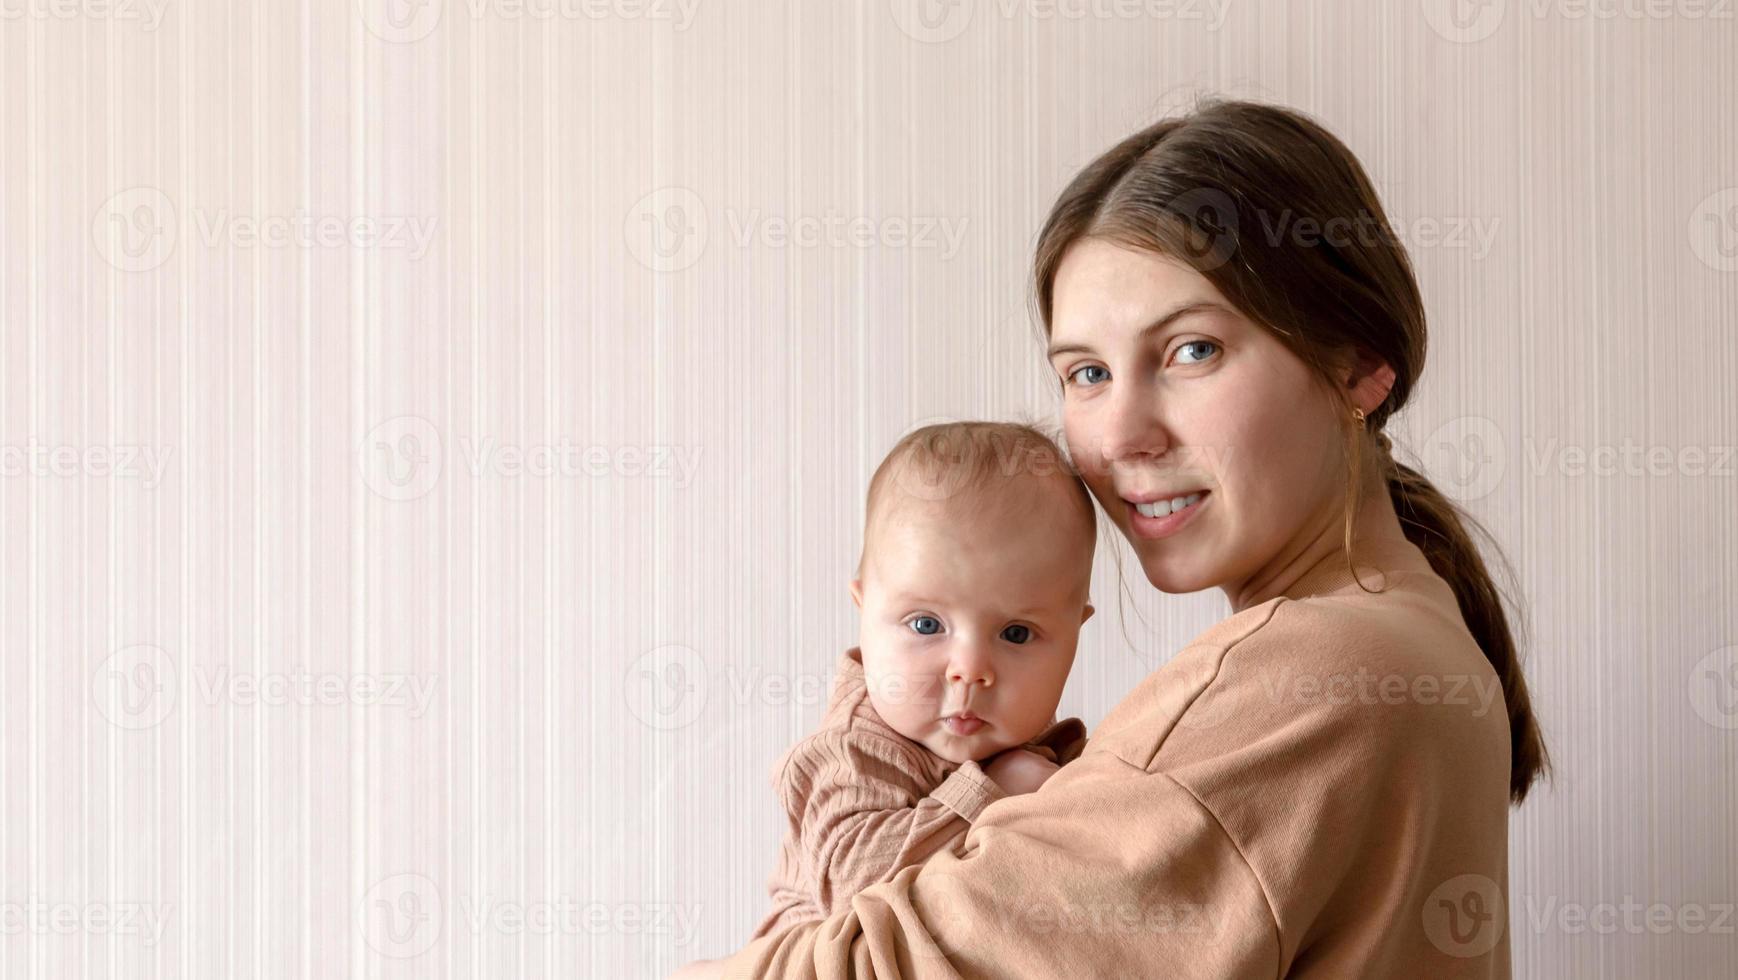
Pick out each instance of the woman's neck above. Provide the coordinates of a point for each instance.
(1317, 555)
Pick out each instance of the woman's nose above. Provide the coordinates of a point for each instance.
(1132, 427)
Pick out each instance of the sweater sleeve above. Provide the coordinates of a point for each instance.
(862, 811)
(1150, 883)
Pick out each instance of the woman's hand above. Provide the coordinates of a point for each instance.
(1019, 771)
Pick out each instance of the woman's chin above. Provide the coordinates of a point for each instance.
(1169, 575)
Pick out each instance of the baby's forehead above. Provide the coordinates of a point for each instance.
(1021, 502)
(1033, 529)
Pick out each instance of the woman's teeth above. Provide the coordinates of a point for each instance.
(1164, 508)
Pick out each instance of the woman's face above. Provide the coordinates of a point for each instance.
(1172, 395)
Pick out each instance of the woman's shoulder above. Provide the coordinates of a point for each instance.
(1370, 665)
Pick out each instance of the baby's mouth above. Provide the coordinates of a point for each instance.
(963, 723)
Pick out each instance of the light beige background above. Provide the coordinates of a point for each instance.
(435, 437)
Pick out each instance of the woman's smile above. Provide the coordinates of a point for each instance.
(1164, 517)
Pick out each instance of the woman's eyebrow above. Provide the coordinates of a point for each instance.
(1187, 309)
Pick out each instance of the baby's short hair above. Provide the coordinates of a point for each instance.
(952, 461)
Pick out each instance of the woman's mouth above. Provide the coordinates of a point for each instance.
(964, 723)
(1164, 517)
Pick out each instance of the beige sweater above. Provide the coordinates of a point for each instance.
(863, 801)
(1315, 787)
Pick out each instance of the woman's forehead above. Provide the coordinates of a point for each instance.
(1103, 286)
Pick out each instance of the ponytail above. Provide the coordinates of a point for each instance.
(1440, 529)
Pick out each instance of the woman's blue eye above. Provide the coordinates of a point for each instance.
(1074, 376)
(926, 625)
(1197, 343)
(1017, 634)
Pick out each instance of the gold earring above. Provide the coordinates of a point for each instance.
(1358, 416)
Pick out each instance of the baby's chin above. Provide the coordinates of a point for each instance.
(958, 750)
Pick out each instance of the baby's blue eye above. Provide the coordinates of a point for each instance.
(1074, 376)
(1017, 634)
(926, 625)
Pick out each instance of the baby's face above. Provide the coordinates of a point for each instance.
(971, 613)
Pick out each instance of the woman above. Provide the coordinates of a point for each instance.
(1318, 785)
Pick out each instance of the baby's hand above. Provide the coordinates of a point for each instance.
(1019, 771)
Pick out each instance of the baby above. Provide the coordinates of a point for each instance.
(977, 556)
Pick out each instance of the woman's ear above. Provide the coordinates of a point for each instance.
(1369, 381)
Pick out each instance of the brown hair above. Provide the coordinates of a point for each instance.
(1278, 214)
(946, 461)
